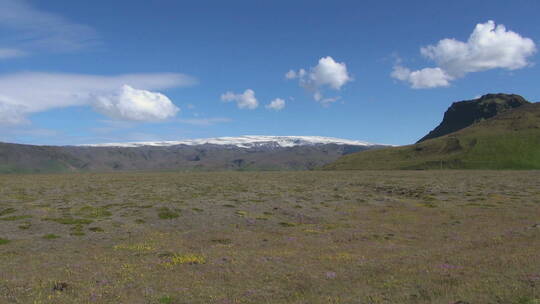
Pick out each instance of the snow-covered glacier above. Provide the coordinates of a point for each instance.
(247, 141)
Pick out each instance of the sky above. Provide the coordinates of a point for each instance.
(85, 72)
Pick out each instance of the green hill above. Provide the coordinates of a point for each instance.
(510, 140)
(462, 114)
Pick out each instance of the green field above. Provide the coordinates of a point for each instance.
(271, 237)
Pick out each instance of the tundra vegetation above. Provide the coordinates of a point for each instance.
(271, 237)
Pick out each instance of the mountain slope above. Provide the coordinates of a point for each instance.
(510, 140)
(15, 158)
(465, 113)
(242, 153)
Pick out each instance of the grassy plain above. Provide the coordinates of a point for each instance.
(271, 237)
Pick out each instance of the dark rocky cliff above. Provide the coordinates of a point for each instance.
(465, 113)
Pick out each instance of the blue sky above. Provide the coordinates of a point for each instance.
(74, 72)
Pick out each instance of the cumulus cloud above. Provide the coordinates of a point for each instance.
(30, 29)
(326, 74)
(331, 73)
(276, 104)
(424, 78)
(490, 46)
(245, 100)
(128, 103)
(51, 91)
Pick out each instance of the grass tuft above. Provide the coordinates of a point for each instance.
(190, 259)
(69, 221)
(165, 213)
(166, 300)
(7, 211)
(15, 218)
(51, 236)
(287, 224)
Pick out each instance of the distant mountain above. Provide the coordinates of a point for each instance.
(225, 153)
(509, 140)
(465, 113)
(248, 141)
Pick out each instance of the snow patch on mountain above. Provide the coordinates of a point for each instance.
(248, 141)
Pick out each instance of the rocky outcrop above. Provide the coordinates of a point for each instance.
(465, 113)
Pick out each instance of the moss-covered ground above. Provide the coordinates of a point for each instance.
(271, 237)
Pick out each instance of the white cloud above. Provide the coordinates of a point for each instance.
(424, 78)
(245, 100)
(328, 101)
(291, 74)
(138, 105)
(490, 46)
(326, 74)
(11, 114)
(331, 73)
(50, 91)
(31, 29)
(276, 104)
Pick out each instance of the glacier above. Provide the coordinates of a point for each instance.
(247, 141)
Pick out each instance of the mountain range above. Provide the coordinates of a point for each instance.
(494, 131)
(222, 153)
